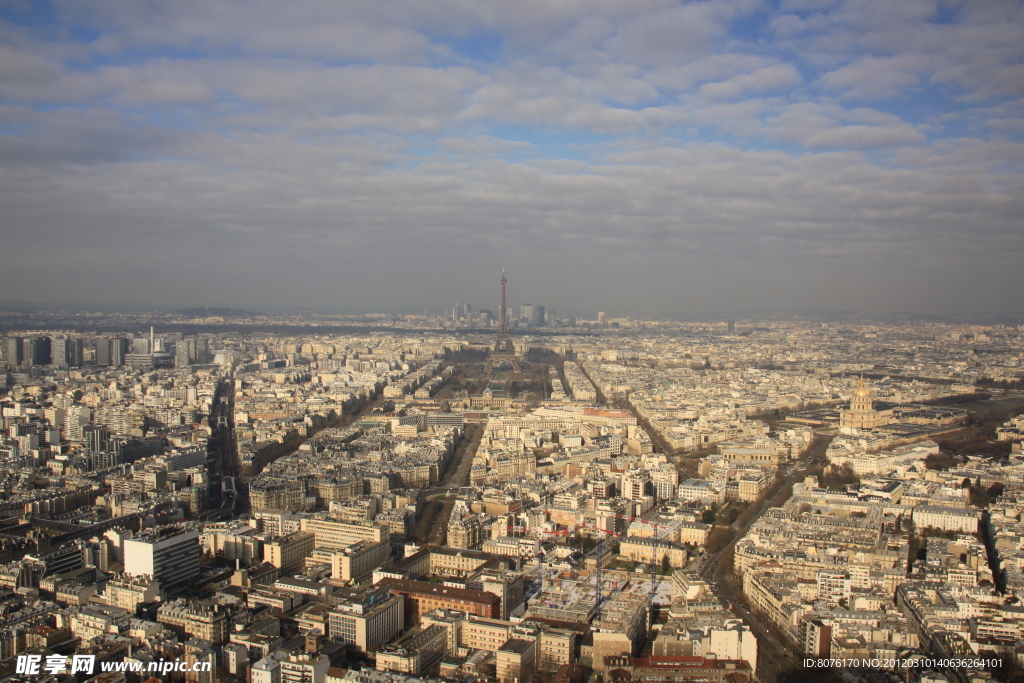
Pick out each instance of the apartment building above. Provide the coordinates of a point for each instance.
(169, 555)
(332, 534)
(367, 619)
(289, 552)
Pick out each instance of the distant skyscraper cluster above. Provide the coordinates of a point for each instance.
(526, 315)
(39, 350)
(70, 351)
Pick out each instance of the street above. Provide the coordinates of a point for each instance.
(775, 653)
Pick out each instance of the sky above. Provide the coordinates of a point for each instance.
(646, 158)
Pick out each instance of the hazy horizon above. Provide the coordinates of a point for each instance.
(651, 158)
(752, 317)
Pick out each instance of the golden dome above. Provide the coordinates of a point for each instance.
(861, 390)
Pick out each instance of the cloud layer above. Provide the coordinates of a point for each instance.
(650, 157)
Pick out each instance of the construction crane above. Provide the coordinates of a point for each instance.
(654, 554)
(598, 597)
(540, 555)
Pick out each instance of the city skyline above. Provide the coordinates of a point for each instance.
(530, 315)
(656, 159)
(429, 495)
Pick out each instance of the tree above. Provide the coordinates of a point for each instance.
(666, 566)
(837, 478)
(587, 543)
(719, 537)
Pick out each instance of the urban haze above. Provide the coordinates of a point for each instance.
(525, 342)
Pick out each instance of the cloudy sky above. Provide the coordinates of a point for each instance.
(647, 157)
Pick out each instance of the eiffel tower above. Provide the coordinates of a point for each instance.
(503, 351)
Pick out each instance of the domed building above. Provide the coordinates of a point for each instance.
(862, 414)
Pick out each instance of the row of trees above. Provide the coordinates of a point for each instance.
(1001, 384)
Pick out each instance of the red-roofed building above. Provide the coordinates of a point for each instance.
(621, 669)
(422, 597)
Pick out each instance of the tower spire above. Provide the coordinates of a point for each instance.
(503, 327)
(503, 351)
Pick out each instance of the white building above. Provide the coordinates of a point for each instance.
(268, 669)
(304, 667)
(966, 520)
(170, 555)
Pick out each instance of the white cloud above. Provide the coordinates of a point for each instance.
(872, 78)
(863, 137)
(679, 32)
(768, 79)
(316, 140)
(822, 126)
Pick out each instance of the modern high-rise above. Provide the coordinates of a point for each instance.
(66, 351)
(111, 351)
(94, 437)
(102, 351)
(15, 353)
(142, 346)
(169, 555)
(60, 350)
(182, 354)
(75, 354)
(537, 316)
(37, 351)
(76, 417)
(202, 352)
(118, 350)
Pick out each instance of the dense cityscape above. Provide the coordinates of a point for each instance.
(548, 341)
(504, 495)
